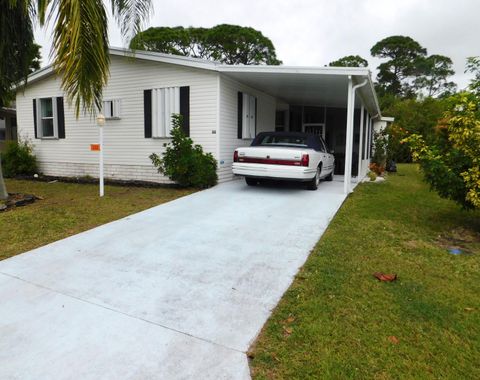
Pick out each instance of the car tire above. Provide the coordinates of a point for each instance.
(313, 184)
(329, 177)
(251, 181)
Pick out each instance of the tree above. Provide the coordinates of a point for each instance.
(350, 61)
(412, 116)
(473, 66)
(20, 55)
(230, 44)
(403, 54)
(451, 163)
(80, 41)
(433, 72)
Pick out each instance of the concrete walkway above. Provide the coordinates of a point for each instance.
(178, 291)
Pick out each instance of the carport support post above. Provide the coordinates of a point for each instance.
(348, 142)
(360, 146)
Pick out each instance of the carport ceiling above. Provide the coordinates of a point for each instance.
(305, 86)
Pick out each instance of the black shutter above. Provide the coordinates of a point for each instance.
(147, 112)
(35, 117)
(185, 109)
(60, 118)
(240, 115)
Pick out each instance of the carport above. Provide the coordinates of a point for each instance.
(338, 103)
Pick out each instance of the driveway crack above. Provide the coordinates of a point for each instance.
(121, 312)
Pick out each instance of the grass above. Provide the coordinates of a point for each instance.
(338, 322)
(67, 209)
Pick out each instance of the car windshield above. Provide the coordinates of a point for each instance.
(272, 140)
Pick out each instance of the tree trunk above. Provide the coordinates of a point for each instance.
(3, 189)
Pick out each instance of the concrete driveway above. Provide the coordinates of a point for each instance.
(178, 291)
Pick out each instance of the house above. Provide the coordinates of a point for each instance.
(224, 106)
(8, 126)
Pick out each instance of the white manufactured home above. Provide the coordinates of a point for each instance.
(224, 107)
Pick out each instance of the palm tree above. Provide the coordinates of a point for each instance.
(80, 41)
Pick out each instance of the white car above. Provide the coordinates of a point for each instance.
(285, 156)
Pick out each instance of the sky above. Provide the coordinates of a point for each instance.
(316, 32)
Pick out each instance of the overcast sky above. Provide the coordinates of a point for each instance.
(316, 32)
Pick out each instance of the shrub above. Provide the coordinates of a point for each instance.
(18, 159)
(379, 157)
(372, 176)
(451, 163)
(186, 163)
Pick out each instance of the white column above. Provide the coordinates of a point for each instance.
(102, 192)
(360, 145)
(366, 136)
(349, 137)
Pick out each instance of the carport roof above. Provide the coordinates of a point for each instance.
(325, 86)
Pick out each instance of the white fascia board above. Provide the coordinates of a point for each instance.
(375, 98)
(35, 76)
(165, 58)
(354, 71)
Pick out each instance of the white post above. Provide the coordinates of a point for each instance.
(349, 138)
(101, 123)
(348, 144)
(360, 145)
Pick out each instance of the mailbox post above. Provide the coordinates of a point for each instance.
(101, 123)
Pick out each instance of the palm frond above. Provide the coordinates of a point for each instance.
(80, 50)
(130, 14)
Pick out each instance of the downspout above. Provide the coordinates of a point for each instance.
(349, 137)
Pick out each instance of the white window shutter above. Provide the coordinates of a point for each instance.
(252, 117)
(161, 112)
(246, 116)
(117, 108)
(106, 109)
(165, 102)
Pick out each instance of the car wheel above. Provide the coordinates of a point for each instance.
(251, 181)
(329, 177)
(313, 184)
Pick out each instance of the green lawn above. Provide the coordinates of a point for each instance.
(68, 209)
(338, 322)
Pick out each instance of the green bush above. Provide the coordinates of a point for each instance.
(18, 159)
(379, 157)
(451, 163)
(186, 163)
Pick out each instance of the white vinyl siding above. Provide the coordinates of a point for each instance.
(229, 141)
(165, 102)
(125, 144)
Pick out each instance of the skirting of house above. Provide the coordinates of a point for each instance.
(114, 172)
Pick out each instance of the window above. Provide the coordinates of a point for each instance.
(159, 105)
(283, 140)
(111, 109)
(48, 118)
(47, 121)
(247, 116)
